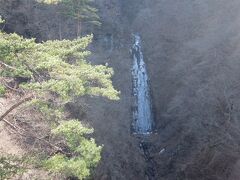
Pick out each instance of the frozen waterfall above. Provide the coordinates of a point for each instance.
(142, 111)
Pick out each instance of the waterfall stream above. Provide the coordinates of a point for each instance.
(142, 111)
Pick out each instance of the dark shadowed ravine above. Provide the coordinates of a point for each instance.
(142, 107)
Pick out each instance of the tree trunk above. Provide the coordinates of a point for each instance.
(60, 28)
(78, 25)
(78, 28)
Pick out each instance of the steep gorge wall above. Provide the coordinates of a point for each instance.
(191, 49)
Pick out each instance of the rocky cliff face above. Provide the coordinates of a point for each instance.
(191, 49)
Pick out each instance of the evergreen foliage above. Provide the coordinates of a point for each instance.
(86, 154)
(1, 20)
(2, 90)
(80, 10)
(55, 67)
(55, 72)
(11, 165)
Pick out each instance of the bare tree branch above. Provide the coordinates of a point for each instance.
(15, 128)
(6, 65)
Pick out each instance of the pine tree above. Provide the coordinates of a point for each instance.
(54, 72)
(82, 11)
(55, 66)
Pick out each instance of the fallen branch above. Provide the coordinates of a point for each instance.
(11, 88)
(15, 106)
(15, 128)
(7, 66)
